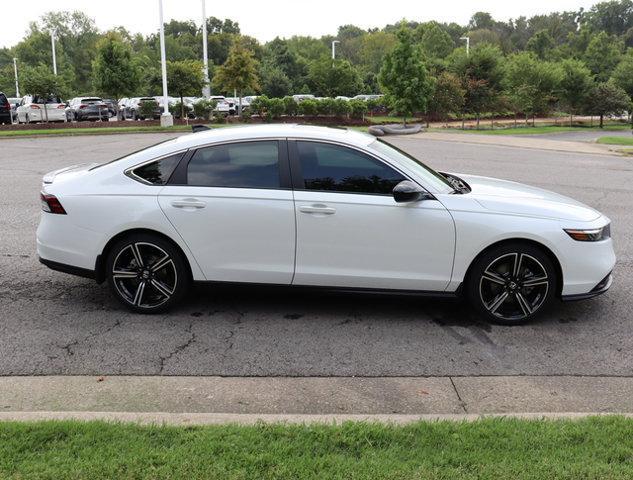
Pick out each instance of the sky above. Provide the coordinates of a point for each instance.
(266, 19)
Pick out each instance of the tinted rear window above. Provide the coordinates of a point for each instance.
(158, 172)
(50, 99)
(3, 99)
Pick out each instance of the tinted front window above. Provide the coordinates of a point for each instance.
(341, 169)
(158, 172)
(239, 165)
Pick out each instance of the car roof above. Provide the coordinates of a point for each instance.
(254, 132)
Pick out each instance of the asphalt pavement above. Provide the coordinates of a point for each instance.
(55, 324)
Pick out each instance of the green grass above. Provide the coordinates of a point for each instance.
(543, 130)
(616, 140)
(594, 448)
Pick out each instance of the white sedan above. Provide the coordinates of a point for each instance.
(312, 206)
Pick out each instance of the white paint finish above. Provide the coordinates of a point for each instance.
(348, 240)
(237, 234)
(370, 241)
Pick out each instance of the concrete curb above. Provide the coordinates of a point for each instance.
(166, 418)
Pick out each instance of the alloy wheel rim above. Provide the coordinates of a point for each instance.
(144, 275)
(514, 286)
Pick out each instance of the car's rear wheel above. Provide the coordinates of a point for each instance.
(512, 283)
(146, 273)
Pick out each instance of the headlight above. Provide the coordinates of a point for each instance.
(590, 235)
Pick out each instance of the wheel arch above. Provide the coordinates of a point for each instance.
(100, 273)
(546, 250)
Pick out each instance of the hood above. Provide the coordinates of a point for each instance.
(518, 199)
(67, 172)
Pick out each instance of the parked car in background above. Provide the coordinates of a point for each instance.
(302, 97)
(132, 108)
(112, 106)
(222, 106)
(34, 108)
(341, 97)
(86, 108)
(14, 102)
(368, 97)
(121, 108)
(6, 115)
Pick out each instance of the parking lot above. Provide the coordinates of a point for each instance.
(52, 323)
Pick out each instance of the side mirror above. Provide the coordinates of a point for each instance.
(407, 191)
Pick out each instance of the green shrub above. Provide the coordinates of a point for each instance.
(218, 117)
(260, 105)
(203, 108)
(325, 106)
(174, 109)
(245, 116)
(358, 108)
(341, 107)
(291, 106)
(308, 107)
(147, 108)
(276, 107)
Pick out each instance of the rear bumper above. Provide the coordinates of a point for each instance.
(599, 289)
(70, 269)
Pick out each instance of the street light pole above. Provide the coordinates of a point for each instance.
(334, 42)
(53, 33)
(467, 44)
(166, 120)
(206, 90)
(15, 70)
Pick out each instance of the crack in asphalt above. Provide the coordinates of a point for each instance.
(178, 349)
(68, 346)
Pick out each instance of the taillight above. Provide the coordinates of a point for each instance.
(83, 106)
(35, 107)
(61, 106)
(51, 204)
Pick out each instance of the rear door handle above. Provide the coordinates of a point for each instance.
(318, 209)
(188, 203)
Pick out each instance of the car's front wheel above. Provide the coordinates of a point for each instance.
(512, 283)
(147, 273)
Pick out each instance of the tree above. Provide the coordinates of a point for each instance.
(530, 83)
(274, 82)
(239, 72)
(448, 96)
(481, 73)
(185, 78)
(541, 44)
(330, 78)
(613, 17)
(602, 55)
(623, 74)
(435, 42)
(608, 99)
(404, 78)
(575, 85)
(113, 72)
(40, 81)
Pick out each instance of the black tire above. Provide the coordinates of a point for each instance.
(161, 288)
(507, 296)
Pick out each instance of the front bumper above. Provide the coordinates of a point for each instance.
(602, 287)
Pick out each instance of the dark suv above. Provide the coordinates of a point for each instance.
(5, 110)
(87, 108)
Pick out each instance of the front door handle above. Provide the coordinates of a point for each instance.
(188, 203)
(318, 209)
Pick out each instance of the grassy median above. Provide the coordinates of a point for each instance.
(616, 140)
(592, 448)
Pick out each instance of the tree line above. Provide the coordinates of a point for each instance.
(580, 61)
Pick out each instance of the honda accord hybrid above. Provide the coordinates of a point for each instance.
(318, 207)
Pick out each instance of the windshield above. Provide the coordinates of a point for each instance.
(432, 179)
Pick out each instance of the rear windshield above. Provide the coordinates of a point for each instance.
(91, 100)
(3, 99)
(50, 99)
